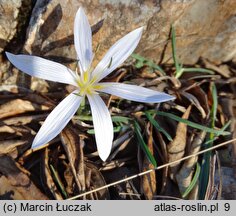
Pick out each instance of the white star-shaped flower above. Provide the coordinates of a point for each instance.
(87, 83)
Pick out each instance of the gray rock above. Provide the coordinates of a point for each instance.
(14, 15)
(9, 13)
(203, 28)
(228, 183)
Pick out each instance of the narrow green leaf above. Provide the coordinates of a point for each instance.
(157, 126)
(179, 68)
(143, 145)
(141, 61)
(84, 118)
(138, 57)
(214, 105)
(191, 124)
(226, 125)
(204, 177)
(115, 130)
(58, 181)
(120, 119)
(173, 44)
(203, 70)
(139, 65)
(82, 106)
(193, 182)
(151, 64)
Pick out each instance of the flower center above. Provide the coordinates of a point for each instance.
(87, 85)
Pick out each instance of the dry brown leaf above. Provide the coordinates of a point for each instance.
(176, 148)
(159, 84)
(70, 186)
(18, 106)
(146, 73)
(194, 194)
(11, 147)
(201, 96)
(48, 181)
(23, 120)
(7, 133)
(6, 129)
(185, 174)
(211, 181)
(94, 179)
(23, 131)
(73, 148)
(195, 102)
(40, 99)
(120, 144)
(164, 161)
(149, 180)
(120, 191)
(229, 110)
(13, 89)
(114, 164)
(85, 174)
(222, 70)
(15, 182)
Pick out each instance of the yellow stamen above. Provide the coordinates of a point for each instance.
(98, 87)
(86, 76)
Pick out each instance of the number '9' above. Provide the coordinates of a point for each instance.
(227, 206)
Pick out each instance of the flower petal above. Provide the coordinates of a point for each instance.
(43, 68)
(117, 54)
(83, 40)
(135, 93)
(57, 119)
(102, 125)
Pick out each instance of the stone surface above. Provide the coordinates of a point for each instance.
(14, 16)
(228, 183)
(203, 28)
(9, 13)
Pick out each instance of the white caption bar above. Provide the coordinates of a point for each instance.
(117, 208)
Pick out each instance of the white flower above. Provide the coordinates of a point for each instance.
(88, 84)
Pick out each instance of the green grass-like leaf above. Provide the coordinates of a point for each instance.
(173, 45)
(214, 105)
(193, 182)
(143, 145)
(190, 123)
(117, 119)
(115, 130)
(205, 171)
(120, 119)
(58, 181)
(201, 70)
(179, 67)
(157, 126)
(226, 126)
(141, 61)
